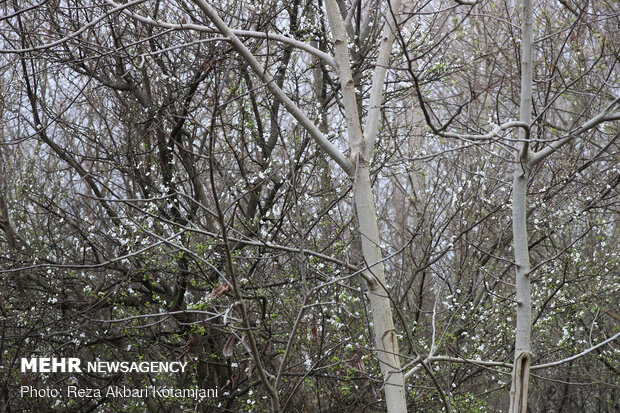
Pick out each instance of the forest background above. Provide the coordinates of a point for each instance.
(323, 206)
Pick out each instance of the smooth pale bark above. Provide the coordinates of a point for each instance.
(522, 360)
(345, 75)
(520, 375)
(524, 163)
(386, 340)
(378, 80)
(380, 304)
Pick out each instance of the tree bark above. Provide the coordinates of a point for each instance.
(386, 339)
(522, 360)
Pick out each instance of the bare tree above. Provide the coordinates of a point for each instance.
(320, 206)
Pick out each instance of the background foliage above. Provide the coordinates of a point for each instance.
(118, 135)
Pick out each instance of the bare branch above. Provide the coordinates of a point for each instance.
(576, 356)
(595, 121)
(117, 8)
(292, 108)
(241, 33)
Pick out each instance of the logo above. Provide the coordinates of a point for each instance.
(51, 365)
(72, 365)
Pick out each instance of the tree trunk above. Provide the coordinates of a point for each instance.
(380, 304)
(521, 369)
(522, 360)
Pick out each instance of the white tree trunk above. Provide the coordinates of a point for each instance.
(380, 304)
(522, 360)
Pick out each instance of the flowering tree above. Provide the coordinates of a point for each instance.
(318, 205)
